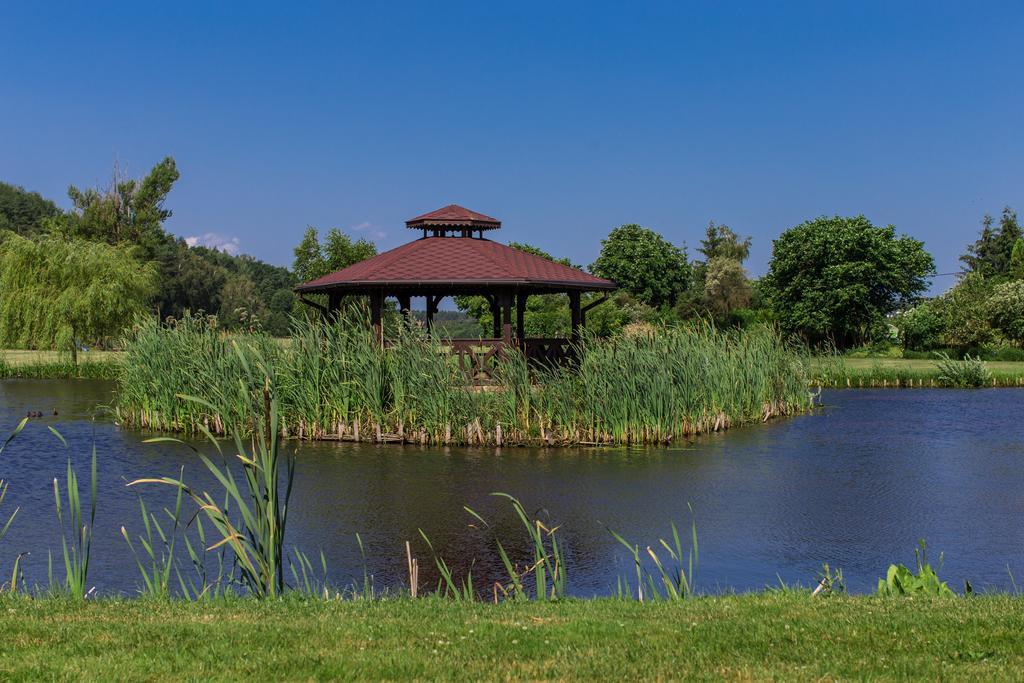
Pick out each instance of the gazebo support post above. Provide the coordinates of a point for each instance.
(405, 304)
(506, 318)
(376, 305)
(495, 315)
(333, 302)
(577, 316)
(520, 319)
(432, 303)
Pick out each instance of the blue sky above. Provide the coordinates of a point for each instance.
(564, 120)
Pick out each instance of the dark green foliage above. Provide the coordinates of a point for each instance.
(643, 263)
(127, 212)
(835, 279)
(24, 212)
(991, 255)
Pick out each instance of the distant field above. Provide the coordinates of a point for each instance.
(21, 358)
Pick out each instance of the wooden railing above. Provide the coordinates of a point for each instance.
(478, 358)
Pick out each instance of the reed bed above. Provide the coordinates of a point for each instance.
(335, 381)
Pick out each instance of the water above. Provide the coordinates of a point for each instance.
(855, 485)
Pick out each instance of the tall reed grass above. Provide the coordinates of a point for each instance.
(335, 381)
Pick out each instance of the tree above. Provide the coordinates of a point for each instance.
(835, 279)
(58, 294)
(921, 327)
(24, 212)
(341, 251)
(965, 314)
(991, 254)
(726, 287)
(188, 282)
(241, 305)
(309, 263)
(643, 263)
(1016, 270)
(721, 242)
(1006, 310)
(338, 251)
(127, 211)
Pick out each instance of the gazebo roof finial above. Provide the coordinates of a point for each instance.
(454, 218)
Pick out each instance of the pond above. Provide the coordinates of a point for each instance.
(855, 485)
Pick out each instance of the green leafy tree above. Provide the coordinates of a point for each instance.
(992, 253)
(921, 327)
(1006, 310)
(24, 212)
(721, 242)
(643, 263)
(966, 319)
(128, 211)
(726, 287)
(341, 251)
(309, 263)
(835, 279)
(313, 260)
(1016, 270)
(59, 294)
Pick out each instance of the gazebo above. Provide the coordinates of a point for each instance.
(454, 258)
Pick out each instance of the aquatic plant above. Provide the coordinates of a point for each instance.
(900, 581)
(75, 531)
(674, 580)
(253, 525)
(547, 563)
(968, 373)
(3, 486)
(334, 380)
(158, 548)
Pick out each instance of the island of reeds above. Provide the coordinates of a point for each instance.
(336, 381)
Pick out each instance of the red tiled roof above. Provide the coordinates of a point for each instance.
(454, 215)
(459, 262)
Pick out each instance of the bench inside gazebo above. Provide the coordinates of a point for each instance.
(453, 258)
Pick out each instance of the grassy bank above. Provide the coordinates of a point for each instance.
(57, 365)
(334, 381)
(763, 636)
(904, 373)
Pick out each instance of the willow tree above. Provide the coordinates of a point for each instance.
(60, 294)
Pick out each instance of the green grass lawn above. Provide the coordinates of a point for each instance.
(18, 358)
(1000, 366)
(892, 372)
(752, 637)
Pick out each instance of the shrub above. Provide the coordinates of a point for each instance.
(1006, 310)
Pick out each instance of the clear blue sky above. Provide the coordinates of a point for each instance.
(563, 120)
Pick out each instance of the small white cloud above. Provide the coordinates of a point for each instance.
(212, 240)
(374, 232)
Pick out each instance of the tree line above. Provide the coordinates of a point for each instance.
(78, 277)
